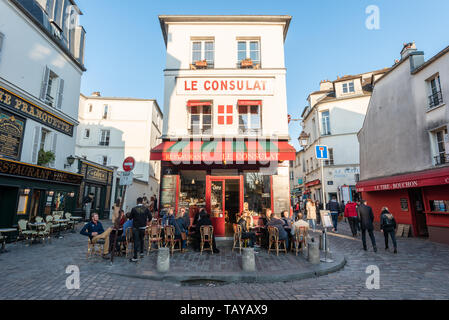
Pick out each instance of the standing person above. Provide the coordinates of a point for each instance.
(366, 218)
(334, 208)
(318, 211)
(351, 215)
(388, 227)
(296, 209)
(311, 214)
(155, 203)
(141, 217)
(87, 203)
(116, 210)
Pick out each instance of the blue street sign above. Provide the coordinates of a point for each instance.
(321, 153)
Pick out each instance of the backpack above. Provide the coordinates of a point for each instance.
(388, 223)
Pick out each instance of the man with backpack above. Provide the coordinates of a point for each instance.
(388, 227)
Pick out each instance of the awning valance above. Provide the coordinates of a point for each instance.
(313, 183)
(249, 102)
(412, 180)
(197, 103)
(223, 151)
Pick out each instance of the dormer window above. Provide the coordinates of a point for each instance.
(348, 87)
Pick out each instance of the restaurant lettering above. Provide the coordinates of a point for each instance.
(230, 86)
(33, 112)
(400, 185)
(97, 174)
(18, 169)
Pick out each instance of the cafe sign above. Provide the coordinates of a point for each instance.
(11, 135)
(96, 174)
(31, 111)
(225, 86)
(19, 169)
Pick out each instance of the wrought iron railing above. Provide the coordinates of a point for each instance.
(435, 99)
(442, 159)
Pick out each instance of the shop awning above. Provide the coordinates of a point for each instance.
(426, 178)
(249, 102)
(197, 103)
(223, 151)
(313, 183)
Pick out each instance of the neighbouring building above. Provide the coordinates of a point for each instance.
(225, 135)
(112, 129)
(297, 176)
(405, 144)
(41, 64)
(333, 118)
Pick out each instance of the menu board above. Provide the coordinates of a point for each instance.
(168, 191)
(12, 129)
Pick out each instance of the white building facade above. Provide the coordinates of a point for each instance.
(333, 118)
(112, 129)
(226, 125)
(41, 64)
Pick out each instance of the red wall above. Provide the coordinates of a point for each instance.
(436, 193)
(392, 200)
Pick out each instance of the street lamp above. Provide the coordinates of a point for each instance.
(303, 139)
(70, 161)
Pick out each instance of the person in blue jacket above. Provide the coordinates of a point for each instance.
(95, 231)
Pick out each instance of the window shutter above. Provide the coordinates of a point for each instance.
(2, 36)
(53, 147)
(45, 83)
(60, 93)
(37, 131)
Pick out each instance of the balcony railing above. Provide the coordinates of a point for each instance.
(442, 159)
(435, 99)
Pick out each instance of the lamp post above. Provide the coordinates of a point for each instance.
(303, 139)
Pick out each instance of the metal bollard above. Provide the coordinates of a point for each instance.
(313, 252)
(163, 260)
(248, 260)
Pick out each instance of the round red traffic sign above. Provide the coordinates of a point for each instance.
(128, 164)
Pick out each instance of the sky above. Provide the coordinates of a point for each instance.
(125, 51)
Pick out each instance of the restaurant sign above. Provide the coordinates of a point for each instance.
(424, 182)
(24, 170)
(94, 173)
(31, 111)
(225, 86)
(12, 129)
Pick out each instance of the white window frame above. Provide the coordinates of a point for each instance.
(438, 88)
(250, 130)
(445, 137)
(105, 137)
(248, 50)
(347, 87)
(201, 125)
(2, 43)
(210, 64)
(86, 136)
(326, 125)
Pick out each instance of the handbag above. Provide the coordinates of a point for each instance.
(183, 234)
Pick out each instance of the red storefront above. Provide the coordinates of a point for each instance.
(419, 199)
(221, 175)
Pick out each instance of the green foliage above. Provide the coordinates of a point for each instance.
(45, 157)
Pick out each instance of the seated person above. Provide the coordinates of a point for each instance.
(180, 227)
(287, 221)
(118, 222)
(94, 230)
(204, 220)
(245, 223)
(299, 223)
(277, 222)
(127, 225)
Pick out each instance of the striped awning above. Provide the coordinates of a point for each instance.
(223, 151)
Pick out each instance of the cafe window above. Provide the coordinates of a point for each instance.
(105, 136)
(200, 119)
(203, 50)
(249, 119)
(404, 204)
(257, 191)
(192, 189)
(439, 206)
(248, 49)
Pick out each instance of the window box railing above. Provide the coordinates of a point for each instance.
(441, 159)
(202, 64)
(435, 99)
(197, 131)
(50, 100)
(248, 64)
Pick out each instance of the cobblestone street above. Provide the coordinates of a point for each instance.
(419, 271)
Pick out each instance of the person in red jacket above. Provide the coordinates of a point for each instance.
(351, 214)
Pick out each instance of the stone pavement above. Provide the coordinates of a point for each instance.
(419, 271)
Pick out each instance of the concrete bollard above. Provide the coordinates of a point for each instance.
(163, 260)
(313, 252)
(248, 260)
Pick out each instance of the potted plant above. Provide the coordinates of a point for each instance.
(45, 157)
(246, 63)
(201, 64)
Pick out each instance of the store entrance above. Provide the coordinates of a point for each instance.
(418, 214)
(224, 200)
(36, 204)
(8, 206)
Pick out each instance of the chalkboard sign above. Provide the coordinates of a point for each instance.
(168, 191)
(12, 129)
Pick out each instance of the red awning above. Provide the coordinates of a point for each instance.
(313, 183)
(197, 103)
(426, 178)
(224, 151)
(249, 102)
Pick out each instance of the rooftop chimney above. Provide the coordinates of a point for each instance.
(96, 94)
(407, 49)
(326, 85)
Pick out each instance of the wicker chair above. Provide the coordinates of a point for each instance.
(154, 236)
(53, 226)
(207, 233)
(24, 233)
(300, 239)
(95, 248)
(170, 240)
(39, 219)
(129, 242)
(45, 233)
(71, 223)
(239, 243)
(273, 234)
(62, 225)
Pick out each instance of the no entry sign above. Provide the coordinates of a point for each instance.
(128, 164)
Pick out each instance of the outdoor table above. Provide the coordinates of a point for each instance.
(59, 228)
(7, 230)
(76, 220)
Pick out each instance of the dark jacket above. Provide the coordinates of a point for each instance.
(204, 221)
(333, 206)
(92, 227)
(140, 216)
(366, 217)
(387, 222)
(279, 224)
(179, 224)
(243, 224)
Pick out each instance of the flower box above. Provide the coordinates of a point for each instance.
(201, 64)
(246, 63)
